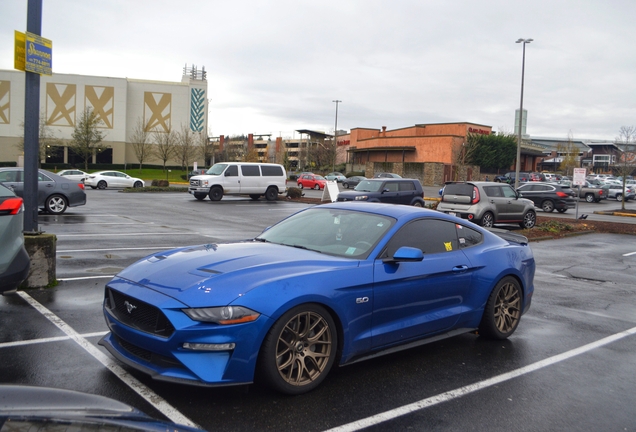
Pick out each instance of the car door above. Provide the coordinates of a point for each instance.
(412, 299)
(514, 207)
(390, 192)
(231, 180)
(406, 192)
(12, 178)
(46, 186)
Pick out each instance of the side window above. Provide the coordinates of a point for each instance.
(42, 177)
(8, 176)
(271, 171)
(250, 170)
(391, 186)
(232, 171)
(467, 236)
(407, 186)
(493, 191)
(508, 192)
(431, 236)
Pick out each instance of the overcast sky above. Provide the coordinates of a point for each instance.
(275, 66)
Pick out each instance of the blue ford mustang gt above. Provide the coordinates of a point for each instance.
(334, 283)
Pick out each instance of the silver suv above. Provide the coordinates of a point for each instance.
(487, 203)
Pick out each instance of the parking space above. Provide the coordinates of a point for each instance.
(569, 366)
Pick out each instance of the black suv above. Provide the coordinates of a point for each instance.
(549, 196)
(394, 191)
(509, 177)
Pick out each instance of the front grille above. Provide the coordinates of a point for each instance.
(137, 314)
(194, 183)
(148, 356)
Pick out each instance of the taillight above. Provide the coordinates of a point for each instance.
(562, 194)
(475, 195)
(11, 206)
(81, 185)
(600, 192)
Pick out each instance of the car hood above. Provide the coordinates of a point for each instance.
(226, 271)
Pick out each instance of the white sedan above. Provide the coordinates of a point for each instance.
(113, 179)
(73, 174)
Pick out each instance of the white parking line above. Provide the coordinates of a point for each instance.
(457, 393)
(85, 277)
(151, 397)
(46, 340)
(629, 254)
(116, 249)
(128, 234)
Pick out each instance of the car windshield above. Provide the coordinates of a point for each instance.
(344, 233)
(368, 186)
(217, 169)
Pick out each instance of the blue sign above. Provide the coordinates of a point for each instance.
(39, 54)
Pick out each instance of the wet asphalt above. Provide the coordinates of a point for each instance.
(569, 366)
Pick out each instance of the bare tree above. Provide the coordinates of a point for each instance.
(184, 149)
(164, 147)
(47, 140)
(140, 140)
(626, 163)
(204, 149)
(86, 137)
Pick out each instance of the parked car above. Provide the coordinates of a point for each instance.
(55, 193)
(338, 177)
(14, 260)
(386, 175)
(387, 190)
(30, 408)
(487, 204)
(331, 284)
(537, 177)
(73, 174)
(592, 193)
(352, 181)
(616, 191)
(509, 177)
(196, 172)
(549, 196)
(311, 181)
(112, 179)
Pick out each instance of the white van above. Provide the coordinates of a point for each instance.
(240, 178)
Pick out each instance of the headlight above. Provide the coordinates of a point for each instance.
(362, 198)
(204, 182)
(222, 315)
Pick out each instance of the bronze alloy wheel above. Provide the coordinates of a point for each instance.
(507, 307)
(303, 349)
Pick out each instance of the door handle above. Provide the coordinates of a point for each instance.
(460, 268)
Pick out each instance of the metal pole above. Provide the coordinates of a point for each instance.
(335, 138)
(32, 127)
(523, 67)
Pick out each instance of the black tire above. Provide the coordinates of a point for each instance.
(418, 203)
(317, 186)
(300, 185)
(589, 198)
(503, 310)
(305, 337)
(216, 193)
(619, 197)
(199, 196)
(547, 206)
(487, 220)
(562, 210)
(137, 184)
(271, 194)
(346, 185)
(93, 187)
(529, 220)
(55, 204)
(255, 197)
(102, 185)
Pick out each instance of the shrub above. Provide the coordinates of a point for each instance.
(160, 183)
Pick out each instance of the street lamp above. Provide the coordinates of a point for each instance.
(335, 138)
(523, 66)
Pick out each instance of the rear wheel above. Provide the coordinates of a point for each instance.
(255, 196)
(547, 206)
(529, 220)
(562, 210)
(199, 196)
(300, 185)
(299, 350)
(271, 194)
(417, 204)
(55, 204)
(589, 198)
(487, 220)
(216, 193)
(316, 186)
(346, 185)
(619, 197)
(503, 310)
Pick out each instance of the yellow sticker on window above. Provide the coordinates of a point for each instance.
(449, 246)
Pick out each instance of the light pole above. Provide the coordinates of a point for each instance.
(335, 138)
(523, 66)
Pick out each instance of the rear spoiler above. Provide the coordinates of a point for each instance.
(509, 236)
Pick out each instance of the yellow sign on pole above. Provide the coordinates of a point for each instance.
(20, 51)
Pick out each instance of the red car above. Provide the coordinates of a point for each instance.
(311, 181)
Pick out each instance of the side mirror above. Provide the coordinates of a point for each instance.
(405, 254)
(385, 190)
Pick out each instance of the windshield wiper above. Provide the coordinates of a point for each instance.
(305, 248)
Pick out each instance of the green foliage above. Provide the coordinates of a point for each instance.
(553, 226)
(87, 136)
(491, 151)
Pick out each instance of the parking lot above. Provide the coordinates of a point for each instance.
(569, 366)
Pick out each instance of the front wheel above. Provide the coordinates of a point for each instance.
(137, 184)
(271, 194)
(547, 206)
(216, 193)
(300, 185)
(346, 185)
(589, 198)
(317, 186)
(299, 350)
(487, 220)
(55, 204)
(503, 310)
(199, 196)
(101, 185)
(529, 220)
(562, 210)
